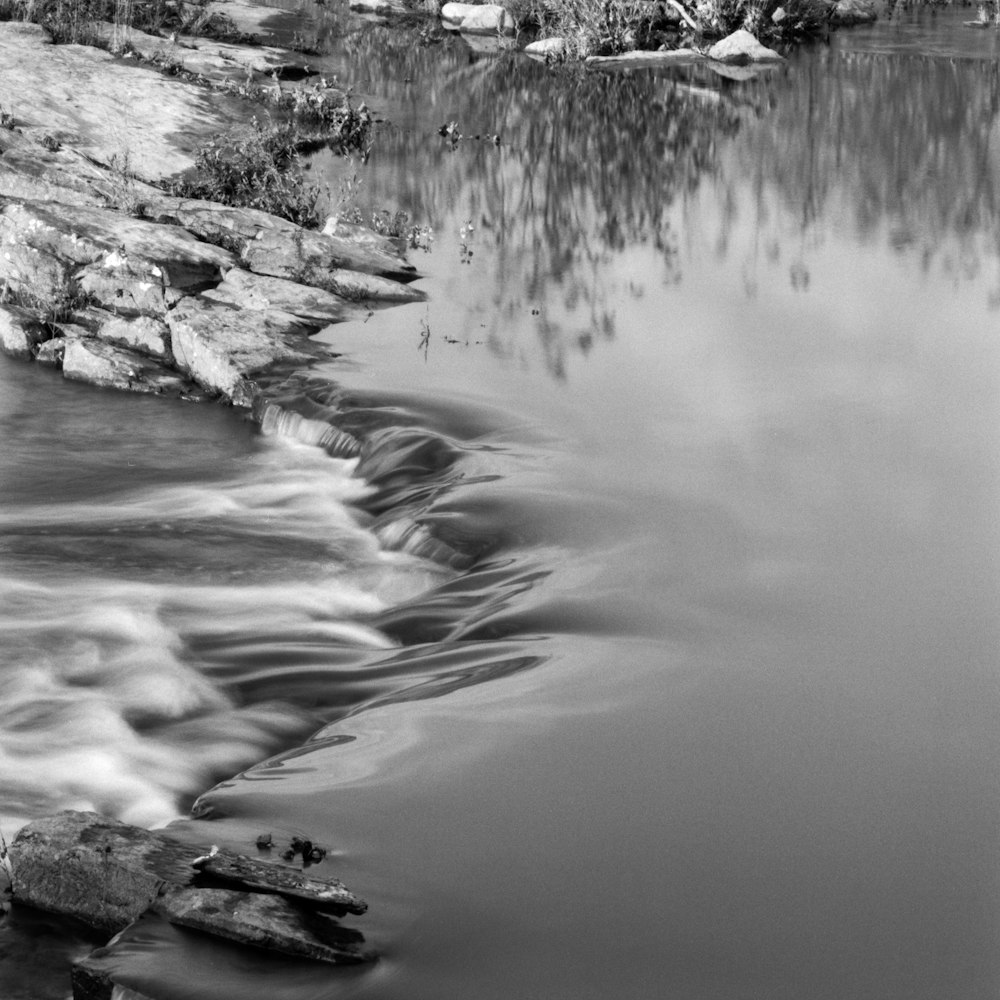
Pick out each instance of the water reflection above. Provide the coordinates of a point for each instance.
(596, 196)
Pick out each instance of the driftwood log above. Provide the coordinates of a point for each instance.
(107, 874)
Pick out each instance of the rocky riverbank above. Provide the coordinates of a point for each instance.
(120, 284)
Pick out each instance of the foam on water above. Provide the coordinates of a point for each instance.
(130, 621)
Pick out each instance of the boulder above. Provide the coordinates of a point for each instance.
(453, 14)
(145, 334)
(222, 348)
(848, 12)
(105, 107)
(81, 235)
(20, 331)
(487, 19)
(112, 367)
(381, 7)
(741, 48)
(263, 293)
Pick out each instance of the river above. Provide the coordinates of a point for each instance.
(650, 648)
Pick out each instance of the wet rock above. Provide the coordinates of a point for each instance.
(222, 348)
(262, 293)
(741, 48)
(106, 873)
(264, 921)
(104, 107)
(143, 334)
(309, 257)
(81, 235)
(111, 367)
(20, 331)
(742, 73)
(848, 12)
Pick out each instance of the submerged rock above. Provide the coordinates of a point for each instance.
(741, 48)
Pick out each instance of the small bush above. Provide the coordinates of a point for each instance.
(256, 167)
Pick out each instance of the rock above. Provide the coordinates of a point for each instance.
(82, 235)
(106, 107)
(91, 979)
(741, 48)
(381, 7)
(106, 873)
(308, 257)
(223, 225)
(222, 348)
(638, 60)
(274, 24)
(487, 19)
(111, 367)
(144, 334)
(453, 14)
(206, 57)
(262, 293)
(848, 12)
(547, 48)
(33, 271)
(126, 289)
(51, 352)
(264, 921)
(20, 331)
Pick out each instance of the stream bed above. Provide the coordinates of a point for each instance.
(650, 648)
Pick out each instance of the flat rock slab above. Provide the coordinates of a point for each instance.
(223, 348)
(104, 106)
(214, 60)
(264, 921)
(113, 367)
(308, 257)
(83, 235)
(263, 293)
(271, 24)
(642, 60)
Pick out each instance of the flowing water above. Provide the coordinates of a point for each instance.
(647, 643)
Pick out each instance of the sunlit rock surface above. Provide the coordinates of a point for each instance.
(741, 48)
(106, 107)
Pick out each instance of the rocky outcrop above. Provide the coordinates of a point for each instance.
(742, 48)
(108, 875)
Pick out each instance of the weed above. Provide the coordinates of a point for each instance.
(124, 193)
(256, 167)
(6, 120)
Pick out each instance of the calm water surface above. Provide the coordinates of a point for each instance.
(650, 645)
